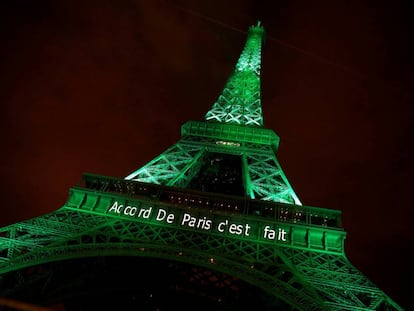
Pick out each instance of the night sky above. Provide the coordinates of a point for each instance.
(104, 86)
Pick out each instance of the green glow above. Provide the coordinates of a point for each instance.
(234, 126)
(266, 237)
(239, 102)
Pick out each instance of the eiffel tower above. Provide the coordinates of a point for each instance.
(212, 222)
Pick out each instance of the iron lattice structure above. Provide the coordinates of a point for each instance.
(218, 200)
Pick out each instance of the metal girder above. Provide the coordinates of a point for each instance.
(255, 264)
(342, 286)
(167, 166)
(239, 102)
(304, 279)
(179, 164)
(269, 183)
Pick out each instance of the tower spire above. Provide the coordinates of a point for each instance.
(239, 102)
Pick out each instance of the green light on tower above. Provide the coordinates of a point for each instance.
(217, 200)
(234, 125)
(239, 102)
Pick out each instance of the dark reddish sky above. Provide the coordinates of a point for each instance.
(103, 87)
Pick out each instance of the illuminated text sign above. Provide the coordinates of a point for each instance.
(195, 220)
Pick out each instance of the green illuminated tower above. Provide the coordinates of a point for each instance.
(213, 217)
